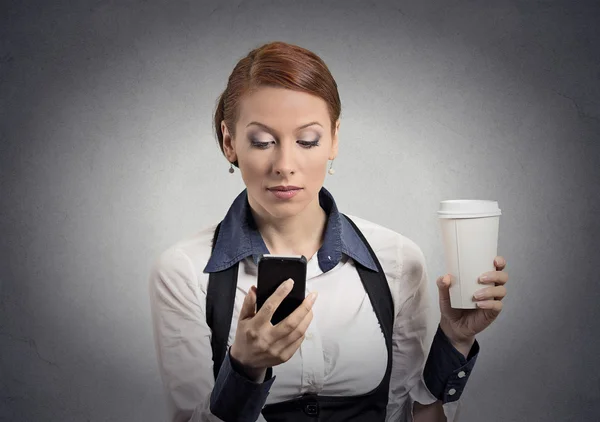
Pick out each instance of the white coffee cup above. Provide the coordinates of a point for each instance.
(470, 238)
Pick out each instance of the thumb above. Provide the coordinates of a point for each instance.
(249, 305)
(443, 284)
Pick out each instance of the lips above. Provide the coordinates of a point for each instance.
(285, 188)
(284, 192)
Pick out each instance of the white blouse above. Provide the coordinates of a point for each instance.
(344, 350)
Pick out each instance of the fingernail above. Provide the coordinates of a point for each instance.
(479, 294)
(484, 278)
(312, 297)
(289, 283)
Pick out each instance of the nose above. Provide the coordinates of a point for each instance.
(283, 159)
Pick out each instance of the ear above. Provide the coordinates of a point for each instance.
(228, 143)
(334, 141)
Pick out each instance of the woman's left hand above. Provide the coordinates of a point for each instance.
(461, 325)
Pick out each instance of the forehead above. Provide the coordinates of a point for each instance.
(282, 108)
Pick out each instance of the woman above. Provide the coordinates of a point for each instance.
(354, 354)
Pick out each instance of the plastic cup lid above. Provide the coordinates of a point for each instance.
(468, 208)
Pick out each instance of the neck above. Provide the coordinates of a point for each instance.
(300, 234)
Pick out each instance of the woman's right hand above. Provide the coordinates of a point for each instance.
(259, 344)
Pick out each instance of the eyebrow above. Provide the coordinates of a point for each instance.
(272, 131)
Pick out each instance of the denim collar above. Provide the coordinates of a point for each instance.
(239, 238)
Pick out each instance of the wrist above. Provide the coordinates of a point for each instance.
(253, 374)
(464, 347)
(461, 343)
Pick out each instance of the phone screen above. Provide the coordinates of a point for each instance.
(274, 270)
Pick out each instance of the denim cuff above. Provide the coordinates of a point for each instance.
(446, 370)
(237, 398)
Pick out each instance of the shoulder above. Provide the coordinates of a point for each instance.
(390, 245)
(401, 258)
(187, 256)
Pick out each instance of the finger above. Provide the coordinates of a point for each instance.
(500, 263)
(494, 306)
(291, 336)
(268, 308)
(493, 277)
(490, 293)
(249, 304)
(289, 351)
(444, 283)
(294, 320)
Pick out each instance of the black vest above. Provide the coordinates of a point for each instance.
(310, 407)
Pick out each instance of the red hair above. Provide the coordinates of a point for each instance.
(276, 64)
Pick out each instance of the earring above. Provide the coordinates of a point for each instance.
(231, 170)
(331, 170)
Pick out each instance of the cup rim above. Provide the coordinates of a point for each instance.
(447, 214)
(449, 201)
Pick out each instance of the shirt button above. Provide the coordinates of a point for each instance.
(311, 409)
(452, 391)
(461, 374)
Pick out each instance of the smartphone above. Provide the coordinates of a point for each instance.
(273, 270)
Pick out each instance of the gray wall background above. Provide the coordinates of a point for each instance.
(107, 157)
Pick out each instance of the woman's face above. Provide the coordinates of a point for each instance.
(283, 138)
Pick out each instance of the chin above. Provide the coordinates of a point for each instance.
(283, 210)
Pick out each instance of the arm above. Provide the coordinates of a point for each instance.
(433, 412)
(421, 384)
(182, 342)
(448, 367)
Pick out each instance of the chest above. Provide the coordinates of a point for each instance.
(344, 351)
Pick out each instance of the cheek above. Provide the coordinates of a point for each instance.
(314, 172)
(314, 163)
(316, 169)
(251, 174)
(254, 170)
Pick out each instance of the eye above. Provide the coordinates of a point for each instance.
(309, 144)
(255, 143)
